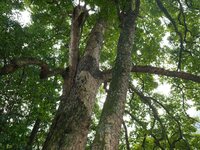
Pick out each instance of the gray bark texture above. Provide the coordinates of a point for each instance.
(71, 124)
(108, 132)
(78, 18)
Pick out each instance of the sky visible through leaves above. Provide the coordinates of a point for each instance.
(24, 18)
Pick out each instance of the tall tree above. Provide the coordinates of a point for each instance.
(108, 132)
(53, 70)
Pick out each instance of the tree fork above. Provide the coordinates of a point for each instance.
(71, 124)
(78, 18)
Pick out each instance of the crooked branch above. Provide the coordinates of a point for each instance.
(148, 100)
(181, 135)
(16, 64)
(144, 126)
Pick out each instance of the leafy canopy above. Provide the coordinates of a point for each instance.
(151, 117)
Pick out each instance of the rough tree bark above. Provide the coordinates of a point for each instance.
(70, 126)
(78, 18)
(108, 132)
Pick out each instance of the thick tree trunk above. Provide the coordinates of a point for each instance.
(70, 126)
(108, 132)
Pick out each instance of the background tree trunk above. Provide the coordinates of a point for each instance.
(33, 134)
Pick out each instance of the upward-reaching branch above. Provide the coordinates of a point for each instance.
(181, 40)
(78, 18)
(33, 134)
(126, 135)
(181, 13)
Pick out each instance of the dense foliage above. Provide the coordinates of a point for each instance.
(167, 36)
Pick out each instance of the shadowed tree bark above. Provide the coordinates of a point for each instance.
(71, 124)
(82, 79)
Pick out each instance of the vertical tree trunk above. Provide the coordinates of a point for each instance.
(108, 132)
(33, 134)
(70, 126)
(78, 18)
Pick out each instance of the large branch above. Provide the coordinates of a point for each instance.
(168, 73)
(16, 64)
(106, 75)
(78, 18)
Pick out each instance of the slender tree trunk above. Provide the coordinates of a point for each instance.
(108, 132)
(126, 136)
(71, 124)
(33, 134)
